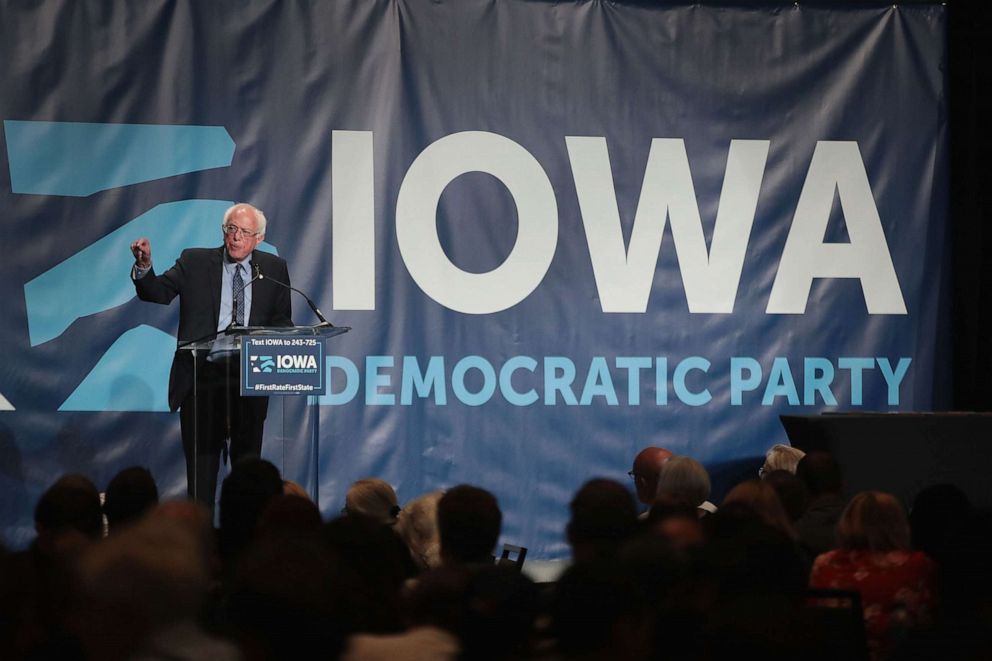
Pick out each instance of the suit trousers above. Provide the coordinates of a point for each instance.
(216, 422)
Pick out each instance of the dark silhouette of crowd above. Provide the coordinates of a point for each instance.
(785, 567)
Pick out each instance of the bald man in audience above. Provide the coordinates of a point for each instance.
(647, 467)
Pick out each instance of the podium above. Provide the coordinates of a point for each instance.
(902, 453)
(280, 361)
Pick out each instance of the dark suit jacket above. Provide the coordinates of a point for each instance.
(196, 279)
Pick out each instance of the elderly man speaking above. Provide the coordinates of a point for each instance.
(216, 289)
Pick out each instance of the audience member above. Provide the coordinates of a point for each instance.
(762, 498)
(685, 478)
(938, 511)
(186, 511)
(874, 559)
(374, 499)
(286, 600)
(432, 609)
(140, 593)
(665, 575)
(781, 457)
(245, 493)
(417, 527)
(791, 491)
(196, 518)
(964, 627)
(288, 516)
(744, 553)
(816, 527)
(413, 644)
(756, 580)
(599, 612)
(603, 515)
(470, 612)
(500, 609)
(469, 522)
(36, 584)
(70, 507)
(131, 493)
(675, 521)
(645, 472)
(291, 488)
(373, 564)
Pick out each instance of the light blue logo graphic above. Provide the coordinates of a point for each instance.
(132, 375)
(79, 159)
(265, 364)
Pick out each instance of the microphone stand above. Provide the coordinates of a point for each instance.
(324, 323)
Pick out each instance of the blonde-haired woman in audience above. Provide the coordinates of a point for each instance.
(290, 488)
(684, 478)
(781, 457)
(374, 499)
(762, 498)
(874, 559)
(417, 527)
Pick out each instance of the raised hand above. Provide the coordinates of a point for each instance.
(142, 251)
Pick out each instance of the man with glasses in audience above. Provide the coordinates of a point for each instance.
(645, 472)
(217, 288)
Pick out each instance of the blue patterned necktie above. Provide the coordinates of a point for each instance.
(239, 296)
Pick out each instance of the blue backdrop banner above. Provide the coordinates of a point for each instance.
(561, 231)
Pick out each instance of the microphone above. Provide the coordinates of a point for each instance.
(313, 306)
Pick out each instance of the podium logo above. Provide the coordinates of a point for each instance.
(262, 364)
(297, 362)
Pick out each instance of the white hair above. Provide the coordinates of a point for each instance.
(684, 477)
(373, 498)
(417, 527)
(782, 457)
(259, 216)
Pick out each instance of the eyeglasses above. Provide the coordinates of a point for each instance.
(234, 230)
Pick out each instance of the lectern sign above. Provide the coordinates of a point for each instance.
(282, 365)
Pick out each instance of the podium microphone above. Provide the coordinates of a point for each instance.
(313, 306)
